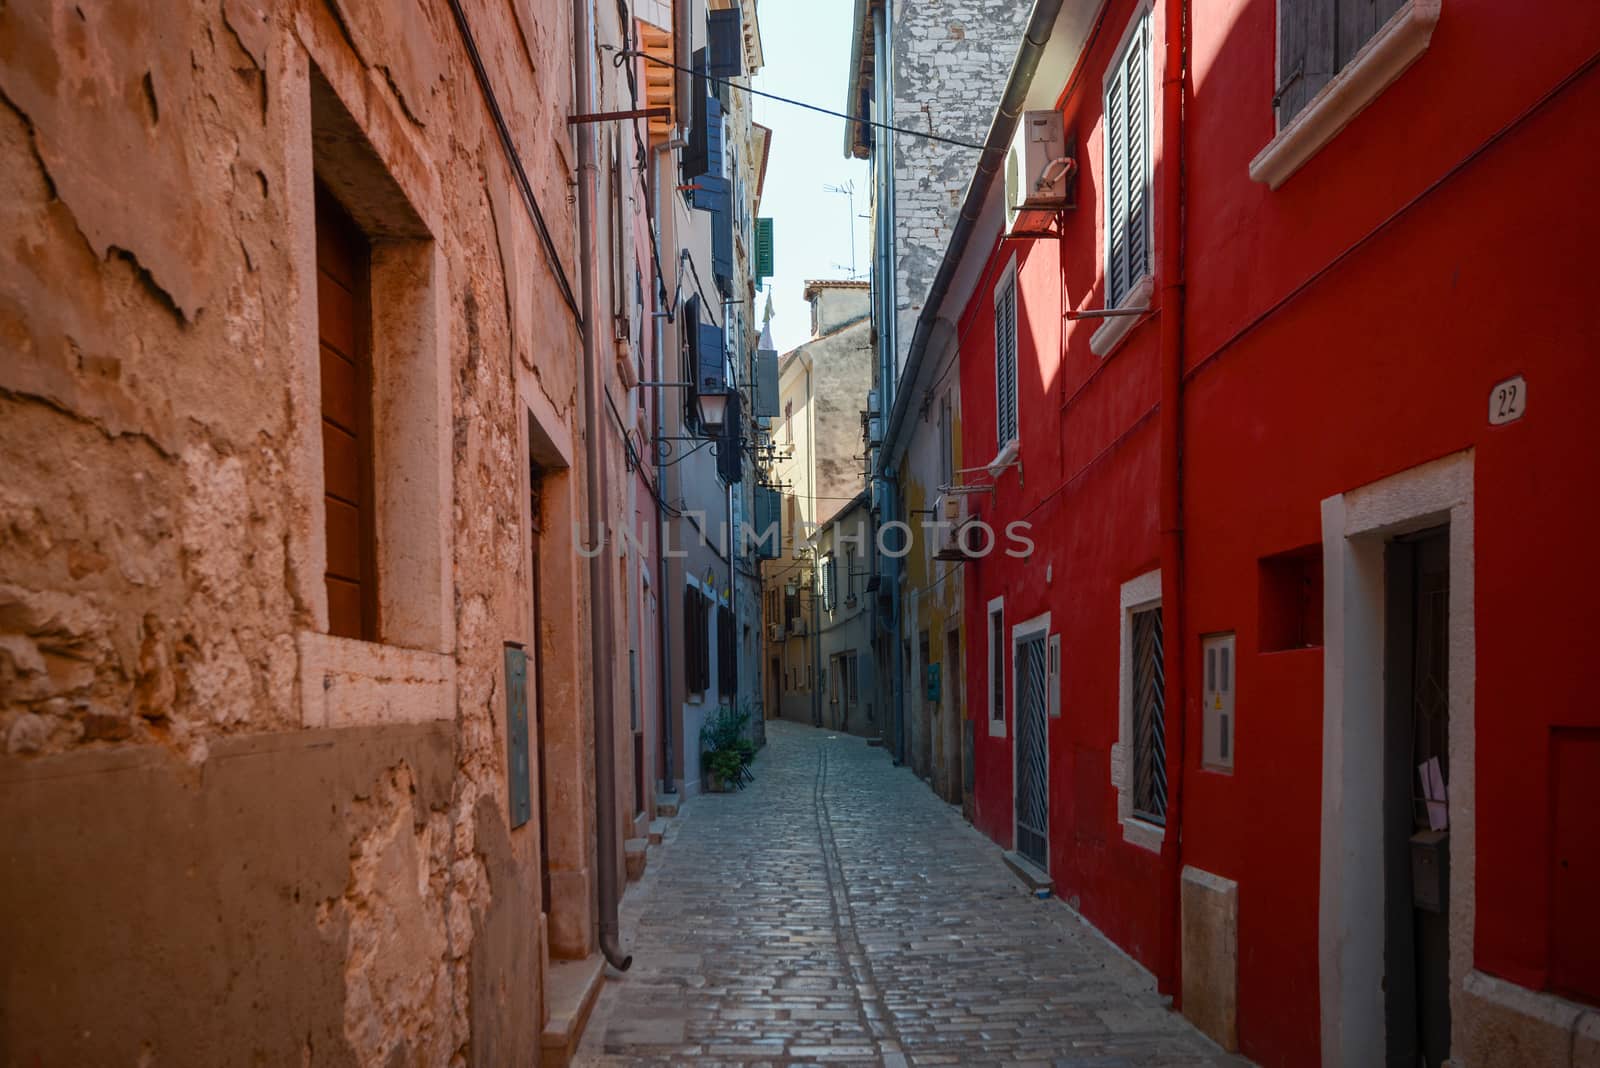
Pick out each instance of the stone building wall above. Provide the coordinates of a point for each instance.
(233, 836)
(951, 60)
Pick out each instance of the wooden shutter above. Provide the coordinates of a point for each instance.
(694, 155)
(1307, 52)
(726, 59)
(343, 315)
(1127, 119)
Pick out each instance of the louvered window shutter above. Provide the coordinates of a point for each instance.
(714, 136)
(1127, 118)
(1005, 359)
(763, 249)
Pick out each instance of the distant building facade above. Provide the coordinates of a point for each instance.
(817, 468)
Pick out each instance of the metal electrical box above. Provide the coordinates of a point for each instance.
(1217, 722)
(517, 734)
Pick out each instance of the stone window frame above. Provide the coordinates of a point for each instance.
(1136, 595)
(998, 659)
(1385, 56)
(354, 142)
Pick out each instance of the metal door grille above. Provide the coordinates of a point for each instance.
(1033, 787)
(1149, 718)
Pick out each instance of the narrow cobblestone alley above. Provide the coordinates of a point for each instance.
(836, 910)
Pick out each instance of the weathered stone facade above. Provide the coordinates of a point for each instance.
(950, 61)
(822, 390)
(232, 835)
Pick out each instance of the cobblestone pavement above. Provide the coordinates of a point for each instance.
(837, 911)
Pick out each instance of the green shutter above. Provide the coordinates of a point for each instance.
(763, 249)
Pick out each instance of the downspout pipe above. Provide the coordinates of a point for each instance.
(1171, 251)
(664, 604)
(600, 598)
(990, 160)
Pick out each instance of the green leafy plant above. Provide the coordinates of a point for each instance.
(725, 752)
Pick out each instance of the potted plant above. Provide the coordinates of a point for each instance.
(725, 752)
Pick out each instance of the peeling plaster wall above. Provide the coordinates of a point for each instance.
(951, 59)
(160, 539)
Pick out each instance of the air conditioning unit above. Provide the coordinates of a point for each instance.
(956, 535)
(797, 627)
(775, 632)
(875, 430)
(872, 402)
(1039, 172)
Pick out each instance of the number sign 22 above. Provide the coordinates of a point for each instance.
(1507, 401)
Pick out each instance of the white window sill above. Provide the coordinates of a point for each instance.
(1395, 46)
(1142, 834)
(1115, 328)
(1004, 458)
(997, 728)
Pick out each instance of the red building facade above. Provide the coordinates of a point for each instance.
(1312, 526)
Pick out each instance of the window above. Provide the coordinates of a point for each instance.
(344, 312)
(1316, 40)
(1127, 165)
(697, 641)
(1335, 57)
(829, 584)
(1005, 356)
(788, 422)
(849, 575)
(1149, 719)
(997, 668)
(947, 464)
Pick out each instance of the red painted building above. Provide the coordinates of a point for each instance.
(1312, 528)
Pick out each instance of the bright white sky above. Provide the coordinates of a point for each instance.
(806, 44)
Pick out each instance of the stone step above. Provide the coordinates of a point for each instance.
(635, 851)
(657, 829)
(1032, 876)
(571, 987)
(667, 805)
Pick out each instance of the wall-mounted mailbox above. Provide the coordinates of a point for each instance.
(1430, 870)
(517, 733)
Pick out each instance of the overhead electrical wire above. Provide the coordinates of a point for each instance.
(626, 54)
(514, 157)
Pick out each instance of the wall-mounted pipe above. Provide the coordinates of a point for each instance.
(607, 868)
(1171, 280)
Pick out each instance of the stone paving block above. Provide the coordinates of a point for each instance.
(837, 912)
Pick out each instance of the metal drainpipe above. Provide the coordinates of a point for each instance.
(1171, 269)
(606, 844)
(664, 605)
(888, 362)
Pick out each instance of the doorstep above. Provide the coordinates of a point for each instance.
(657, 829)
(667, 804)
(1032, 876)
(570, 990)
(635, 851)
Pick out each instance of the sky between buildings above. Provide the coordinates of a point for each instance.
(807, 52)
